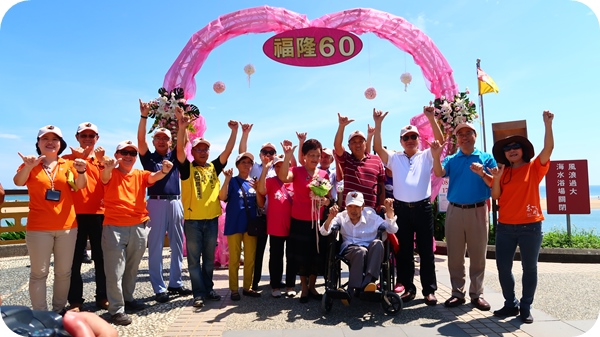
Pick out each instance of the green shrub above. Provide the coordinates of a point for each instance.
(580, 238)
(12, 235)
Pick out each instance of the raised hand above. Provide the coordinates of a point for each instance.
(370, 130)
(301, 136)
(184, 121)
(548, 117)
(99, 153)
(80, 152)
(429, 111)
(436, 148)
(497, 171)
(31, 161)
(388, 203)
(166, 166)
(233, 125)
(80, 164)
(378, 116)
(246, 128)
(287, 147)
(110, 163)
(343, 120)
(333, 211)
(228, 173)
(144, 108)
(478, 169)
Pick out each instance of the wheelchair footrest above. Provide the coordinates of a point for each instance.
(338, 294)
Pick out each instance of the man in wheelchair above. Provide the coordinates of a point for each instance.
(358, 226)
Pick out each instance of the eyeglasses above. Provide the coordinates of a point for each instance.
(201, 150)
(509, 147)
(466, 134)
(266, 152)
(132, 153)
(87, 136)
(414, 136)
(162, 139)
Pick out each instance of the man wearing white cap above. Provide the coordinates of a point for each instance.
(467, 217)
(166, 211)
(200, 187)
(89, 207)
(358, 226)
(362, 171)
(411, 172)
(124, 235)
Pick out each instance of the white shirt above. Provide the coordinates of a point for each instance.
(412, 176)
(365, 230)
(257, 168)
(333, 179)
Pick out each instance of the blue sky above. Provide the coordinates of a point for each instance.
(67, 62)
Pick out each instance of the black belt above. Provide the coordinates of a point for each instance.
(479, 204)
(412, 204)
(165, 197)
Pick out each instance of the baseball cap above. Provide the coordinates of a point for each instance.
(200, 141)
(125, 144)
(164, 131)
(50, 129)
(409, 129)
(356, 133)
(277, 159)
(355, 198)
(268, 145)
(464, 125)
(242, 155)
(87, 126)
(328, 151)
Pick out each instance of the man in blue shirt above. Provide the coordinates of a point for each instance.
(467, 217)
(166, 211)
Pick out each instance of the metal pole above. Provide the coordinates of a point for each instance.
(569, 226)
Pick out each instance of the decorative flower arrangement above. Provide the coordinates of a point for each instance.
(319, 186)
(162, 109)
(450, 113)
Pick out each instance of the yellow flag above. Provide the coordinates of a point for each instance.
(486, 83)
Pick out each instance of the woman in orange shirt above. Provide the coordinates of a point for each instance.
(51, 224)
(516, 186)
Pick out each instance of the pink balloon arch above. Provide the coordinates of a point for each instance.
(265, 19)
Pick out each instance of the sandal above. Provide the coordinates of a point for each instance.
(235, 296)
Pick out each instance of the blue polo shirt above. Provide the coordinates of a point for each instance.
(466, 187)
(169, 185)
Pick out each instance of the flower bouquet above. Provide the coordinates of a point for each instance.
(162, 109)
(319, 186)
(451, 112)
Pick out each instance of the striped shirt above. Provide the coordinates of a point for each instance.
(362, 176)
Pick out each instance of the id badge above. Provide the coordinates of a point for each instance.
(52, 195)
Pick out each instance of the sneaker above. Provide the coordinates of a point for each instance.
(181, 291)
(213, 296)
(162, 297)
(198, 302)
(121, 319)
(276, 293)
(398, 288)
(102, 303)
(291, 293)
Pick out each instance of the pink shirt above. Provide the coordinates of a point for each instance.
(279, 211)
(302, 202)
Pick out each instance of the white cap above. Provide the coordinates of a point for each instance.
(86, 126)
(242, 155)
(50, 129)
(277, 159)
(355, 198)
(200, 140)
(125, 144)
(268, 145)
(409, 129)
(464, 125)
(328, 151)
(163, 131)
(355, 134)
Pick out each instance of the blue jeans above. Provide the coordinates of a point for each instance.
(529, 239)
(201, 236)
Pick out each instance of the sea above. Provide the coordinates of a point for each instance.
(552, 221)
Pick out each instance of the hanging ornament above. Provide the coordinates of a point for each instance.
(406, 78)
(219, 87)
(370, 93)
(249, 70)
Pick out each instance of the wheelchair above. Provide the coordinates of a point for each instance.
(336, 288)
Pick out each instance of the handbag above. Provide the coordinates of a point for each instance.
(257, 226)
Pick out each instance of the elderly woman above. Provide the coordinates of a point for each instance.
(516, 186)
(241, 207)
(304, 232)
(51, 224)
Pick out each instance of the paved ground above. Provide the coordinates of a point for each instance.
(567, 304)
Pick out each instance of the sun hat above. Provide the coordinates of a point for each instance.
(526, 146)
(356, 133)
(265, 145)
(409, 129)
(125, 144)
(328, 151)
(200, 140)
(464, 125)
(164, 131)
(355, 198)
(55, 130)
(86, 126)
(244, 155)
(277, 159)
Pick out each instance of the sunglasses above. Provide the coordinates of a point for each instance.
(87, 136)
(514, 146)
(414, 136)
(201, 150)
(132, 153)
(266, 152)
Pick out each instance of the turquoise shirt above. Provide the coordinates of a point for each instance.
(465, 186)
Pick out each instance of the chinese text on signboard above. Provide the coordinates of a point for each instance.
(567, 187)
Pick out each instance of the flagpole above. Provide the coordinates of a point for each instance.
(481, 105)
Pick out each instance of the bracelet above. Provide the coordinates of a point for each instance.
(82, 172)
(144, 117)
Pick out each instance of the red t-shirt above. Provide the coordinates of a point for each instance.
(519, 202)
(280, 207)
(302, 203)
(125, 198)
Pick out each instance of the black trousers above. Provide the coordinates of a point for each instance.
(88, 225)
(415, 220)
(277, 249)
(261, 243)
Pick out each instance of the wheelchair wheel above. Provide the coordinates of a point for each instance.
(326, 303)
(391, 303)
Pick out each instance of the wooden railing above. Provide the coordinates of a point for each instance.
(16, 212)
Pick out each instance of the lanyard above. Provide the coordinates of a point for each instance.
(46, 169)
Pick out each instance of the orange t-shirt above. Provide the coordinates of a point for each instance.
(519, 202)
(47, 215)
(89, 199)
(125, 198)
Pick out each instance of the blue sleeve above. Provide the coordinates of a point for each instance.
(490, 162)
(146, 161)
(446, 165)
